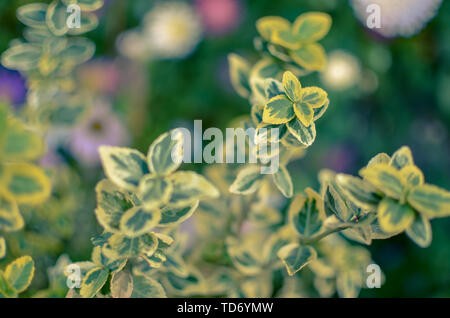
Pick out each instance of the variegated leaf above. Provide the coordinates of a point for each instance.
(239, 75)
(122, 285)
(385, 178)
(304, 113)
(173, 216)
(166, 153)
(314, 96)
(312, 26)
(430, 200)
(306, 214)
(33, 14)
(295, 257)
(278, 110)
(189, 187)
(10, 218)
(247, 181)
(286, 39)
(2, 247)
(154, 192)
(6, 289)
(93, 282)
(25, 183)
(19, 273)
(305, 135)
(138, 221)
(283, 181)
(125, 246)
(310, 56)
(267, 25)
(402, 157)
(393, 216)
(420, 231)
(146, 287)
(292, 86)
(123, 166)
(358, 191)
(111, 205)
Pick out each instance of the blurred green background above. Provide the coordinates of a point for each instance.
(409, 105)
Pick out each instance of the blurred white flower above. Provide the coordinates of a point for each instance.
(398, 17)
(170, 30)
(131, 45)
(343, 71)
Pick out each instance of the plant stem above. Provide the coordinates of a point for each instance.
(318, 237)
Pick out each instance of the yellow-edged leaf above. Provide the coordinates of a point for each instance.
(166, 153)
(123, 166)
(137, 221)
(292, 86)
(93, 281)
(402, 157)
(19, 273)
(420, 231)
(314, 96)
(267, 25)
(154, 192)
(10, 218)
(25, 183)
(430, 200)
(239, 74)
(305, 135)
(189, 187)
(385, 178)
(286, 39)
(310, 56)
(278, 110)
(247, 181)
(2, 247)
(393, 216)
(295, 257)
(304, 113)
(412, 175)
(312, 26)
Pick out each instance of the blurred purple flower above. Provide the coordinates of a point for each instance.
(219, 16)
(12, 87)
(340, 158)
(100, 127)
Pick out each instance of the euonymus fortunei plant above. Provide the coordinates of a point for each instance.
(47, 57)
(251, 229)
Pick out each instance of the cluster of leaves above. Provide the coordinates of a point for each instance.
(389, 199)
(295, 44)
(254, 236)
(393, 189)
(49, 54)
(247, 234)
(21, 181)
(16, 277)
(138, 204)
(277, 97)
(47, 57)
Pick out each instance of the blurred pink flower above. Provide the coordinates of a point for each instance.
(100, 75)
(100, 127)
(219, 16)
